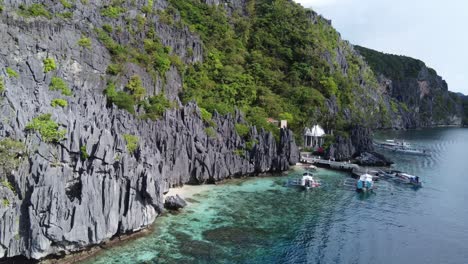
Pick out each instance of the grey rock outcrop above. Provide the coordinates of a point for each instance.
(420, 97)
(348, 146)
(174, 202)
(63, 202)
(372, 159)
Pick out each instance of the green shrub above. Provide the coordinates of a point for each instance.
(2, 85)
(121, 99)
(149, 7)
(114, 69)
(12, 73)
(5, 202)
(117, 51)
(165, 17)
(404, 107)
(49, 65)
(156, 106)
(66, 4)
(108, 28)
(249, 145)
(177, 62)
(205, 115)
(328, 141)
(394, 106)
(239, 152)
(135, 86)
(242, 130)
(10, 151)
(57, 84)
(65, 15)
(210, 132)
(132, 142)
(34, 10)
(83, 154)
(85, 42)
(7, 184)
(112, 11)
(47, 128)
(286, 116)
(162, 63)
(59, 102)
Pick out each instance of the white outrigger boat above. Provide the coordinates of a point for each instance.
(308, 181)
(365, 183)
(401, 177)
(413, 151)
(408, 179)
(396, 143)
(401, 146)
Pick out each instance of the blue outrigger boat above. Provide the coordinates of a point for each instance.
(365, 183)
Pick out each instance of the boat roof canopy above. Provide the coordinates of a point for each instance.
(366, 177)
(408, 175)
(308, 177)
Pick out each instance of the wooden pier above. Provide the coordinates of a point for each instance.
(336, 165)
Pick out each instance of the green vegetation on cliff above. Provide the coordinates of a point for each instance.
(58, 84)
(10, 151)
(47, 128)
(395, 67)
(132, 142)
(272, 62)
(414, 86)
(464, 100)
(2, 85)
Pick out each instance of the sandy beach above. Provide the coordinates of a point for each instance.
(188, 191)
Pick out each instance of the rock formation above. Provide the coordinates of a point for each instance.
(92, 185)
(418, 97)
(174, 202)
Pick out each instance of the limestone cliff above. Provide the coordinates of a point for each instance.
(107, 172)
(419, 97)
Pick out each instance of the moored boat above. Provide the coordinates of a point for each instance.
(365, 183)
(407, 179)
(413, 151)
(401, 147)
(308, 181)
(396, 143)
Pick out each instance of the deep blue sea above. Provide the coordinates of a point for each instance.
(258, 220)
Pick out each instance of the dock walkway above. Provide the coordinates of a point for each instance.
(336, 165)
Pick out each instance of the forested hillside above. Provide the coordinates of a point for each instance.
(277, 59)
(422, 97)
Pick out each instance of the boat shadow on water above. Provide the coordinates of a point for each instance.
(365, 195)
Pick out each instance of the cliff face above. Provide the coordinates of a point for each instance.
(418, 97)
(93, 131)
(92, 184)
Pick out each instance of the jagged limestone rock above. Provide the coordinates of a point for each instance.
(174, 202)
(65, 201)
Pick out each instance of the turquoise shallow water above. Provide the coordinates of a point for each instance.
(258, 220)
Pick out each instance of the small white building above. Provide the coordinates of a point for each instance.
(314, 137)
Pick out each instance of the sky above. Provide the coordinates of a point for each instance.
(433, 31)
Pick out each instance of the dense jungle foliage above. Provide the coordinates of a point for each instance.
(271, 59)
(395, 67)
(274, 62)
